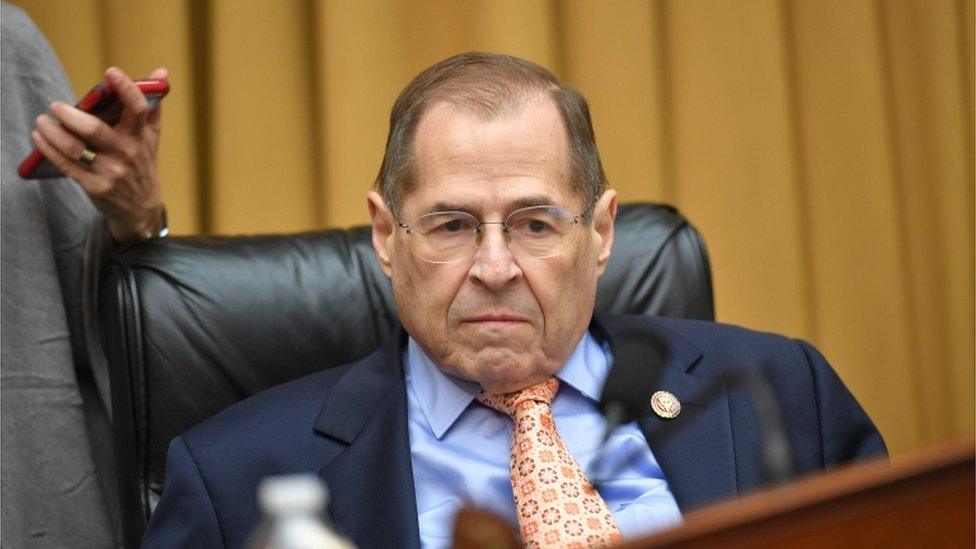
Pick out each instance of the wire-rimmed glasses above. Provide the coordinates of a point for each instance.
(453, 236)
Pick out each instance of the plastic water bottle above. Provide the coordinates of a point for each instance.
(293, 507)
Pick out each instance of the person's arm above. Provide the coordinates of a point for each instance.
(846, 431)
(185, 516)
(123, 179)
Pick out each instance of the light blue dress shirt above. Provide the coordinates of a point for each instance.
(460, 448)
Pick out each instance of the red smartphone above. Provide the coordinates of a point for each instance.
(102, 102)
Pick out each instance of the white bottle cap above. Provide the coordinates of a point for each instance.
(298, 493)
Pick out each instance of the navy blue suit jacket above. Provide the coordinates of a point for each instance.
(349, 424)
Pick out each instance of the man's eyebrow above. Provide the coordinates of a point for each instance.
(523, 202)
(442, 206)
(532, 200)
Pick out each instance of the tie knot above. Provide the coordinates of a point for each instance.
(509, 403)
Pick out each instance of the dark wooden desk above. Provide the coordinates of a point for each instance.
(921, 500)
(926, 499)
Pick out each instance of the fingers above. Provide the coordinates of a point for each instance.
(59, 139)
(67, 165)
(155, 115)
(135, 106)
(123, 180)
(87, 127)
(95, 132)
(135, 113)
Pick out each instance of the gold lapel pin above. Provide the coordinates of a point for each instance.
(665, 405)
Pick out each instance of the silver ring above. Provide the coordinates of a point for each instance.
(86, 158)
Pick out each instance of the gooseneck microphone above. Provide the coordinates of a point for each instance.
(775, 449)
(637, 362)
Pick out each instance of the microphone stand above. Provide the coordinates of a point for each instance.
(778, 464)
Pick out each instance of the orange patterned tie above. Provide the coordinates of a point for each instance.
(556, 504)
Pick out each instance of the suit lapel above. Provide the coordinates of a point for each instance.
(369, 472)
(695, 450)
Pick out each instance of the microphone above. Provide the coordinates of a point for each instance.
(778, 466)
(637, 362)
(626, 388)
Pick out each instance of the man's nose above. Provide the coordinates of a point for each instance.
(494, 264)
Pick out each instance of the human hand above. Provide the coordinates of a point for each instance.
(123, 179)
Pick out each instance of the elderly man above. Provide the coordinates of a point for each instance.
(493, 220)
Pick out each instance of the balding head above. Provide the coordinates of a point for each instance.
(489, 85)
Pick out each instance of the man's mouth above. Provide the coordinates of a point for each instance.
(495, 319)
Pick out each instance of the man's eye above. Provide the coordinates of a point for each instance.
(452, 226)
(533, 227)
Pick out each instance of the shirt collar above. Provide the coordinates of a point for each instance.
(442, 398)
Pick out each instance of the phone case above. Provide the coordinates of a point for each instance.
(102, 102)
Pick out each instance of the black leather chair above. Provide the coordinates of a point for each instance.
(193, 325)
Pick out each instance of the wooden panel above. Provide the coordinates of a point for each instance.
(928, 127)
(74, 29)
(921, 500)
(733, 157)
(856, 249)
(962, 270)
(433, 30)
(362, 70)
(523, 28)
(261, 149)
(611, 53)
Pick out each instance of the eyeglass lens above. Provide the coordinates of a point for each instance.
(538, 231)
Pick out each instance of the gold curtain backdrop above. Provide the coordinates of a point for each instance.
(823, 147)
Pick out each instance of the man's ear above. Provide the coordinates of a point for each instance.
(383, 226)
(604, 215)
